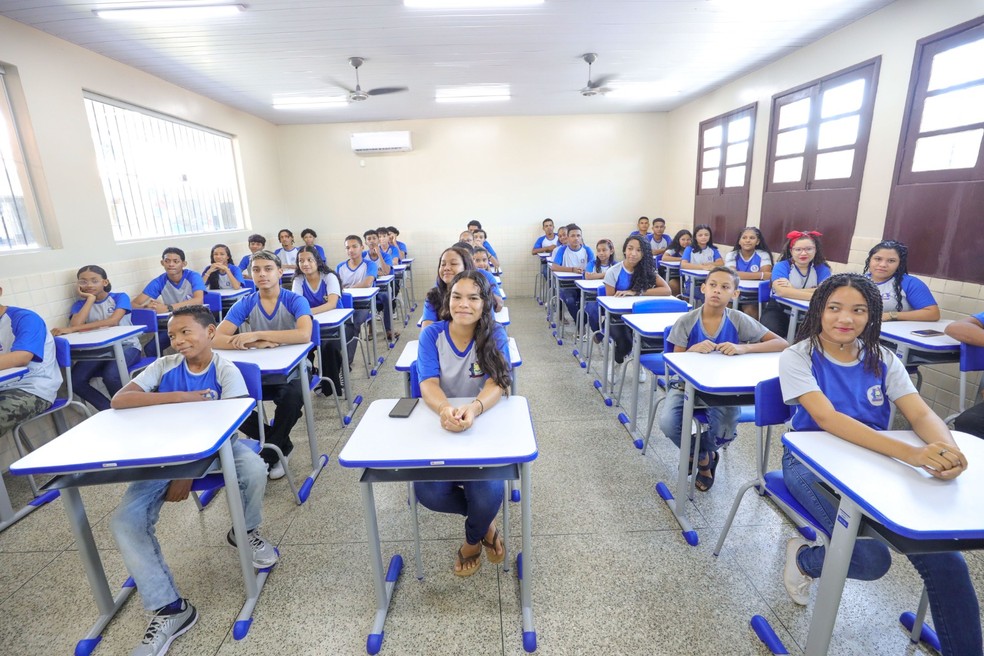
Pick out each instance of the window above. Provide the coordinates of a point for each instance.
(163, 176)
(724, 164)
(20, 218)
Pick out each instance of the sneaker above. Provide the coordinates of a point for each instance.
(164, 628)
(797, 583)
(643, 376)
(264, 555)
(277, 471)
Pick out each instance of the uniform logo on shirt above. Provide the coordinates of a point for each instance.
(875, 396)
(754, 268)
(886, 296)
(475, 371)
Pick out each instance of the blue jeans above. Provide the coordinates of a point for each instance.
(723, 420)
(478, 501)
(83, 371)
(572, 299)
(133, 525)
(952, 599)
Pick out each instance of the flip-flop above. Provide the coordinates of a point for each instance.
(702, 479)
(466, 561)
(494, 558)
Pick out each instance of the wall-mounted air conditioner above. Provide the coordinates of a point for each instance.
(367, 143)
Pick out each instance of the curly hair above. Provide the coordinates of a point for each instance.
(818, 258)
(758, 234)
(437, 293)
(903, 252)
(675, 244)
(644, 276)
(491, 360)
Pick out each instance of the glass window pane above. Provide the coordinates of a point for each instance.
(957, 65)
(737, 153)
(712, 136)
(709, 179)
(793, 114)
(953, 109)
(740, 129)
(788, 170)
(790, 143)
(734, 176)
(956, 150)
(842, 99)
(711, 159)
(20, 218)
(839, 132)
(834, 166)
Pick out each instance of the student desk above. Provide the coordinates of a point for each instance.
(408, 358)
(716, 379)
(400, 271)
(229, 297)
(100, 339)
(388, 283)
(589, 292)
(559, 280)
(499, 446)
(364, 298)
(116, 446)
(796, 307)
(614, 306)
(910, 346)
(897, 503)
(694, 277)
(7, 515)
(332, 325)
(408, 275)
(672, 269)
(282, 360)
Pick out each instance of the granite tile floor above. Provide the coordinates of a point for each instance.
(611, 573)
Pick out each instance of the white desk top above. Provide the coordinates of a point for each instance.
(502, 316)
(399, 267)
(651, 324)
(231, 293)
(792, 302)
(905, 499)
(716, 373)
(12, 372)
(382, 280)
(407, 260)
(751, 285)
(277, 360)
(101, 336)
(360, 293)
(409, 355)
(695, 273)
(624, 304)
(566, 275)
(590, 285)
(333, 318)
(902, 331)
(669, 265)
(544, 256)
(503, 435)
(167, 434)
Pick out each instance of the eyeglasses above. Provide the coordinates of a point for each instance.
(809, 249)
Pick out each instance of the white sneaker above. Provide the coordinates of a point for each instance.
(642, 375)
(163, 629)
(277, 471)
(264, 554)
(797, 583)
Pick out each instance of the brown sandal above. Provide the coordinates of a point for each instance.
(466, 562)
(495, 558)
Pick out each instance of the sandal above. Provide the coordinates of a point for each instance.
(704, 482)
(495, 558)
(465, 563)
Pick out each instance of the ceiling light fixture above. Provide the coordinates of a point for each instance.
(168, 12)
(473, 93)
(469, 4)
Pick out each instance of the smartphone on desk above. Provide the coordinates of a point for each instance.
(403, 408)
(927, 333)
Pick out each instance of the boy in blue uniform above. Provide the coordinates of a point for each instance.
(574, 257)
(481, 240)
(288, 251)
(642, 227)
(256, 243)
(194, 374)
(274, 316)
(546, 244)
(309, 235)
(658, 242)
(713, 327)
(359, 271)
(177, 287)
(394, 236)
(377, 254)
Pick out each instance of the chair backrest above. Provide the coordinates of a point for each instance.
(770, 409)
(603, 291)
(213, 301)
(414, 382)
(765, 291)
(254, 379)
(346, 302)
(971, 357)
(657, 305)
(63, 356)
(148, 319)
(315, 332)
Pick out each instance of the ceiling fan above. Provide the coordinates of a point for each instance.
(598, 86)
(357, 94)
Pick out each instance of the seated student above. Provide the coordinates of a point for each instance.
(465, 355)
(194, 374)
(674, 253)
(309, 235)
(657, 240)
(176, 287)
(904, 297)
(394, 235)
(99, 308)
(970, 331)
(360, 271)
(481, 240)
(752, 260)
(481, 259)
(274, 316)
(256, 243)
(702, 253)
(467, 238)
(642, 227)
(25, 342)
(575, 257)
(546, 244)
(222, 273)
(800, 269)
(603, 261)
(288, 252)
(386, 245)
(829, 375)
(562, 236)
(322, 289)
(376, 254)
(474, 225)
(713, 327)
(453, 261)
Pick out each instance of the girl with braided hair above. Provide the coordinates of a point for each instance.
(841, 380)
(904, 297)
(800, 269)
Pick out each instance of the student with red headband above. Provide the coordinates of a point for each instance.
(801, 268)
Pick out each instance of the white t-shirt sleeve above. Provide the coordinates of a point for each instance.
(796, 373)
(611, 276)
(897, 381)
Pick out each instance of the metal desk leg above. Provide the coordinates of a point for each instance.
(347, 379)
(524, 561)
(631, 421)
(603, 384)
(793, 320)
(317, 462)
(384, 587)
(676, 505)
(580, 337)
(121, 362)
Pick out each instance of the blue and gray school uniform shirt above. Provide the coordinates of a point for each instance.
(351, 277)
(736, 327)
(287, 258)
(249, 310)
(430, 312)
(245, 262)
(814, 275)
(618, 277)
(568, 257)
(223, 279)
(403, 247)
(662, 242)
(104, 309)
(851, 388)
(170, 293)
(705, 256)
(170, 373)
(543, 242)
(394, 254)
(594, 268)
(458, 371)
(386, 255)
(327, 285)
(492, 283)
(24, 330)
(487, 246)
(915, 294)
(754, 264)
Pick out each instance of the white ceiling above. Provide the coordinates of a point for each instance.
(293, 47)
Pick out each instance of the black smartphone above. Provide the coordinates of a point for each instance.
(927, 333)
(403, 408)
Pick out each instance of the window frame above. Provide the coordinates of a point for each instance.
(723, 120)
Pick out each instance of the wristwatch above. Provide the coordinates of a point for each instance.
(894, 316)
(170, 308)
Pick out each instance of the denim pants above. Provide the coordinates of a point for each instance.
(952, 599)
(83, 371)
(133, 525)
(478, 501)
(591, 309)
(572, 299)
(722, 419)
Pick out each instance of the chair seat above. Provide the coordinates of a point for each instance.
(653, 362)
(142, 363)
(215, 480)
(776, 487)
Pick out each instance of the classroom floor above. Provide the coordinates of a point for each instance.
(611, 572)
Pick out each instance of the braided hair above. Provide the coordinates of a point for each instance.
(490, 358)
(903, 252)
(439, 292)
(644, 276)
(811, 327)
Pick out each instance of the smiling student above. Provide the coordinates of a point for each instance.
(322, 289)
(904, 297)
(453, 261)
(751, 260)
(287, 252)
(800, 269)
(256, 243)
(573, 257)
(222, 273)
(177, 287)
(658, 242)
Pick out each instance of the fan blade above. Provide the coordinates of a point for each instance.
(601, 81)
(338, 84)
(384, 90)
(603, 90)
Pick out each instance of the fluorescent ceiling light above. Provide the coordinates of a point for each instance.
(472, 93)
(469, 4)
(316, 102)
(168, 12)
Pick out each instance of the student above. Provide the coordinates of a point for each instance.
(98, 307)
(453, 261)
(222, 273)
(751, 260)
(829, 375)
(546, 243)
(361, 272)
(309, 235)
(194, 374)
(256, 243)
(480, 238)
(274, 316)
(177, 287)
(376, 254)
(674, 253)
(562, 236)
(800, 269)
(657, 240)
(970, 331)
(465, 355)
(574, 257)
(288, 252)
(904, 297)
(467, 238)
(642, 227)
(603, 261)
(25, 342)
(394, 235)
(702, 253)
(481, 259)
(322, 289)
(474, 225)
(387, 246)
(713, 327)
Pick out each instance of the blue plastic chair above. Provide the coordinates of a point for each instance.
(652, 306)
(152, 349)
(214, 303)
(971, 359)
